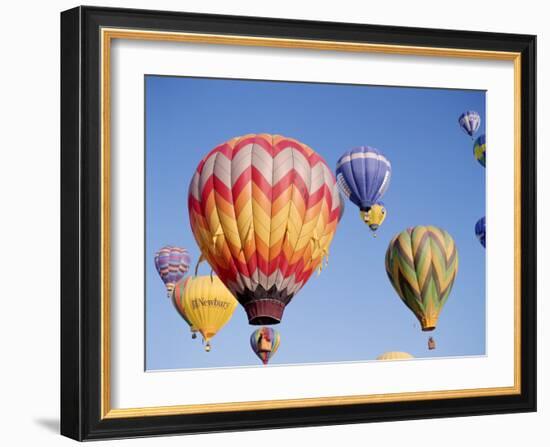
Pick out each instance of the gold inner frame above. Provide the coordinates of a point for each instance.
(107, 35)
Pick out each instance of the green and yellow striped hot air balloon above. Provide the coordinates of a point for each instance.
(422, 263)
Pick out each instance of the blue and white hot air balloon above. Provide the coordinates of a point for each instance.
(469, 122)
(480, 230)
(363, 175)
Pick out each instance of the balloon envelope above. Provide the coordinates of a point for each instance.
(469, 122)
(363, 175)
(480, 149)
(263, 210)
(342, 206)
(172, 263)
(179, 303)
(395, 355)
(422, 263)
(207, 305)
(480, 230)
(264, 342)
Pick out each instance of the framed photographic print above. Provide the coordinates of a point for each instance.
(276, 223)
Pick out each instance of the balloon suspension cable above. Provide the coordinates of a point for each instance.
(169, 291)
(324, 261)
(247, 238)
(316, 245)
(201, 259)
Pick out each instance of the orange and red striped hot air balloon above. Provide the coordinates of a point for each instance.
(264, 209)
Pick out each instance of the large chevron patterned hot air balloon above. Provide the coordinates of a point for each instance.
(422, 264)
(263, 209)
(172, 263)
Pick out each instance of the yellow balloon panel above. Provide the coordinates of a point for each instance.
(395, 355)
(208, 304)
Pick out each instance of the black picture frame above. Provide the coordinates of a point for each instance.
(81, 210)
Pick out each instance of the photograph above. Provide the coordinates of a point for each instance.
(296, 223)
(276, 223)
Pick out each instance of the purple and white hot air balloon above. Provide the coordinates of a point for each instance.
(363, 175)
(172, 264)
(469, 122)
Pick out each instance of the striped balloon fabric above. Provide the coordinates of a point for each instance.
(264, 209)
(363, 175)
(172, 264)
(179, 303)
(264, 342)
(480, 149)
(469, 122)
(422, 264)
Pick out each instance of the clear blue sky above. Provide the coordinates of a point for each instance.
(350, 312)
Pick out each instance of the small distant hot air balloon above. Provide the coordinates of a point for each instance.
(469, 122)
(265, 342)
(177, 300)
(207, 305)
(263, 210)
(480, 149)
(374, 216)
(172, 264)
(363, 175)
(480, 230)
(395, 355)
(422, 263)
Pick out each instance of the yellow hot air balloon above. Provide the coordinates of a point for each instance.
(177, 299)
(208, 305)
(395, 355)
(374, 216)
